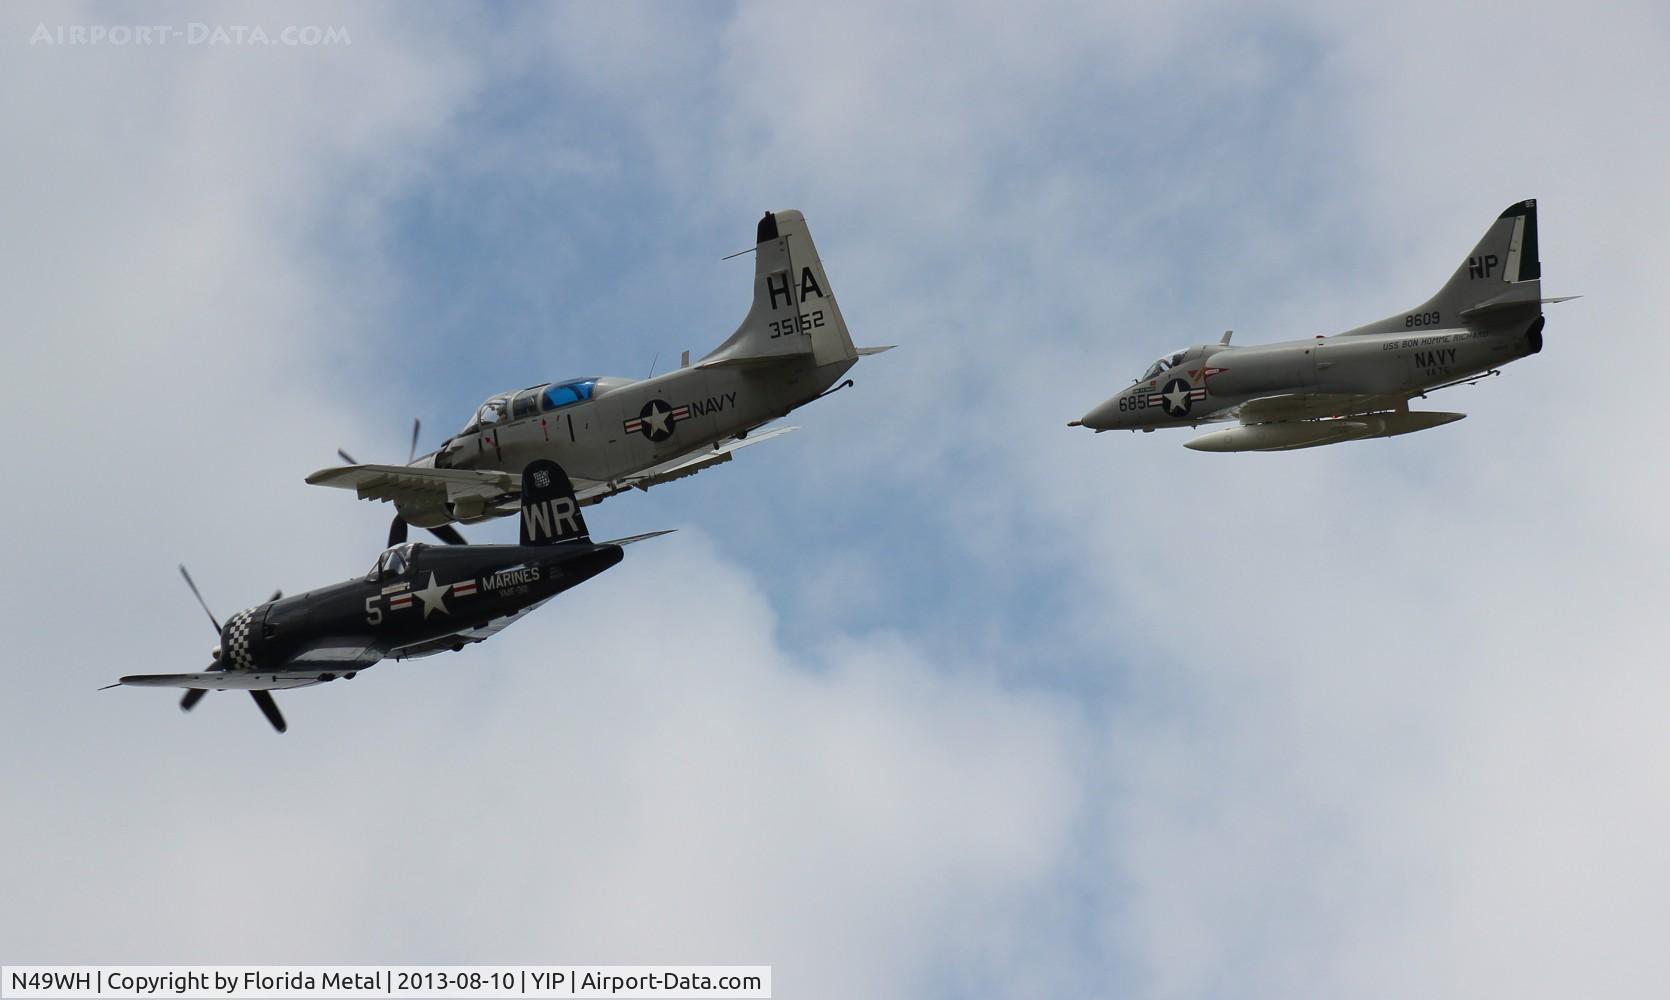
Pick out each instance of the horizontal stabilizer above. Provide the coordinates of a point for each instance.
(1511, 301)
(629, 539)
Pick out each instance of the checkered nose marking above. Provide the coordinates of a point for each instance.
(236, 642)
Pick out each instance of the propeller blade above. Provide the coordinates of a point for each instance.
(205, 604)
(192, 697)
(346, 457)
(397, 531)
(416, 425)
(269, 708)
(448, 534)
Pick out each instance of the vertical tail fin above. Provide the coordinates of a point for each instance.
(794, 311)
(1504, 272)
(550, 512)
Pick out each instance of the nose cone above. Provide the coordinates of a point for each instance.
(1103, 418)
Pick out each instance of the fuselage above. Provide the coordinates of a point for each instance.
(1206, 382)
(607, 429)
(425, 595)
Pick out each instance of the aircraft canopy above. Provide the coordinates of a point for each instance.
(538, 399)
(394, 561)
(1165, 364)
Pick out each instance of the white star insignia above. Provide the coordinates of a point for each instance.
(658, 419)
(433, 596)
(1176, 398)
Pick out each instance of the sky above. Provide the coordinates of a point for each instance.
(935, 696)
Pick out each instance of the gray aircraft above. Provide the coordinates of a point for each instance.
(612, 434)
(1357, 384)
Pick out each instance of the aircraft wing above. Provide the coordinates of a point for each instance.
(404, 482)
(1314, 406)
(328, 656)
(496, 487)
(338, 654)
(225, 680)
(480, 633)
(684, 465)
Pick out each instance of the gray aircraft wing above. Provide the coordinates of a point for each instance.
(677, 468)
(405, 482)
(496, 487)
(1314, 406)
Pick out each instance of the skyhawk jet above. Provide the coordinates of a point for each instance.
(416, 600)
(1356, 384)
(616, 433)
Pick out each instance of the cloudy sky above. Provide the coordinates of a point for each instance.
(935, 697)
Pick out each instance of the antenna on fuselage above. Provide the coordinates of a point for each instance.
(1224, 341)
(652, 362)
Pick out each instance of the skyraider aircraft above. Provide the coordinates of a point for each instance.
(1356, 384)
(417, 600)
(615, 433)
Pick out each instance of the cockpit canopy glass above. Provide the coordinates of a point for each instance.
(1165, 364)
(494, 411)
(568, 393)
(531, 401)
(526, 403)
(394, 562)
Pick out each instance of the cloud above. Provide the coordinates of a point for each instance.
(935, 696)
(204, 319)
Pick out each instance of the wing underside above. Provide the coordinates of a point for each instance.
(313, 664)
(225, 680)
(463, 637)
(1315, 406)
(500, 491)
(1309, 420)
(684, 465)
(420, 485)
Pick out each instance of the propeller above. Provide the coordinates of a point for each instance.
(398, 527)
(263, 700)
(201, 603)
(269, 708)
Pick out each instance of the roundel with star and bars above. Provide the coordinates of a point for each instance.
(1178, 397)
(657, 419)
